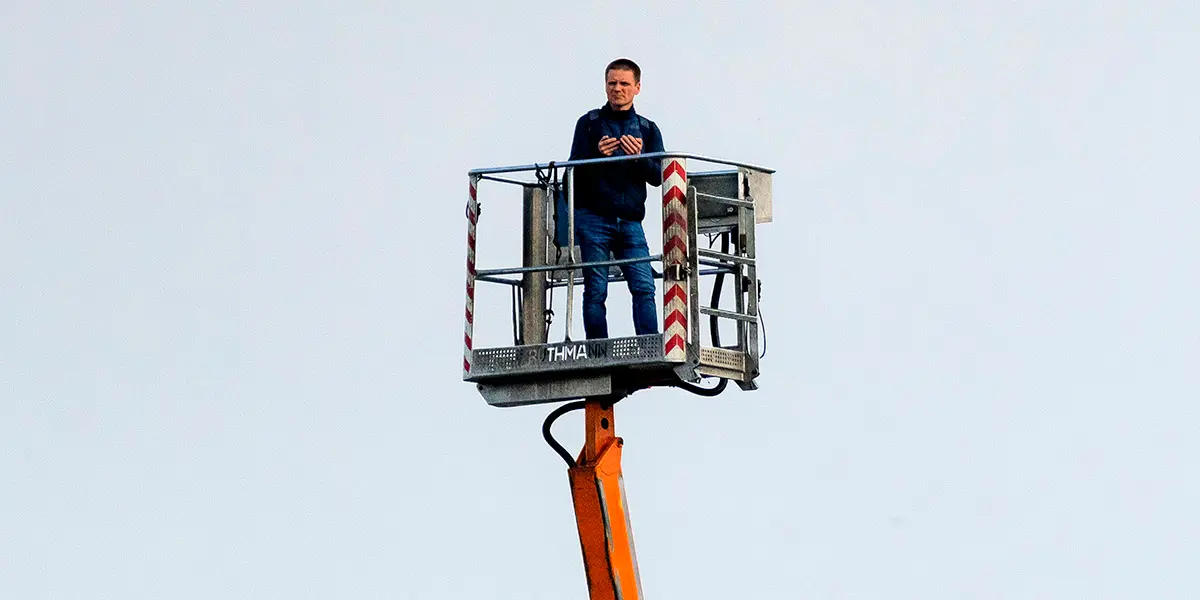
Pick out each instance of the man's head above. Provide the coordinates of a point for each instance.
(622, 81)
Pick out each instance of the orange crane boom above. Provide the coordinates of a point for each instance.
(598, 491)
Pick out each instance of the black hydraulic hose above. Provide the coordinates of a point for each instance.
(549, 437)
(714, 328)
(763, 322)
(703, 391)
(715, 302)
(548, 309)
(517, 305)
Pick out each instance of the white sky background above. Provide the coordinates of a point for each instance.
(231, 275)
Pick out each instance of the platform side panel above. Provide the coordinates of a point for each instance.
(757, 188)
(560, 357)
(675, 258)
(528, 391)
(469, 313)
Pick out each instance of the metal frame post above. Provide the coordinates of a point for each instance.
(749, 220)
(676, 291)
(469, 316)
(688, 370)
(570, 178)
(533, 254)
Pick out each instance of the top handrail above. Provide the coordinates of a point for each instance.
(608, 159)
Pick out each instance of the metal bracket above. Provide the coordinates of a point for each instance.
(689, 371)
(676, 272)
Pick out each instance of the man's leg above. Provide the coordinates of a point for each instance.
(631, 243)
(594, 234)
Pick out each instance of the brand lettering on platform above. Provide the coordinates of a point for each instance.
(561, 353)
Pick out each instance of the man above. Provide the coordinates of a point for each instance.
(610, 199)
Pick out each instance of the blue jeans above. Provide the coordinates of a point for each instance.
(597, 235)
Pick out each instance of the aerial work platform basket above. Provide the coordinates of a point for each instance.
(724, 204)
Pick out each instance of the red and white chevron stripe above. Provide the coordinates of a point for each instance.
(675, 252)
(469, 324)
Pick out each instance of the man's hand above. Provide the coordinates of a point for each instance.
(631, 145)
(608, 145)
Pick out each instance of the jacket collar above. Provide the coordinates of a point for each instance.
(607, 111)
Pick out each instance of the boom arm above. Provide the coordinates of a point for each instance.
(598, 491)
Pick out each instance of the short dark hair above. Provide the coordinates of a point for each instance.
(624, 64)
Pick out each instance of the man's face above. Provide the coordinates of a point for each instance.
(621, 88)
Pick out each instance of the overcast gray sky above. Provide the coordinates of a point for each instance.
(231, 275)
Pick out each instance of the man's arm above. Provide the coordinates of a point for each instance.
(580, 147)
(653, 166)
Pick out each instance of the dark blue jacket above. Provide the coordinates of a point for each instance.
(617, 189)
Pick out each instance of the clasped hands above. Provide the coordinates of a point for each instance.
(628, 143)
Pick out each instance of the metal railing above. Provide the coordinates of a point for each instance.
(610, 159)
(546, 177)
